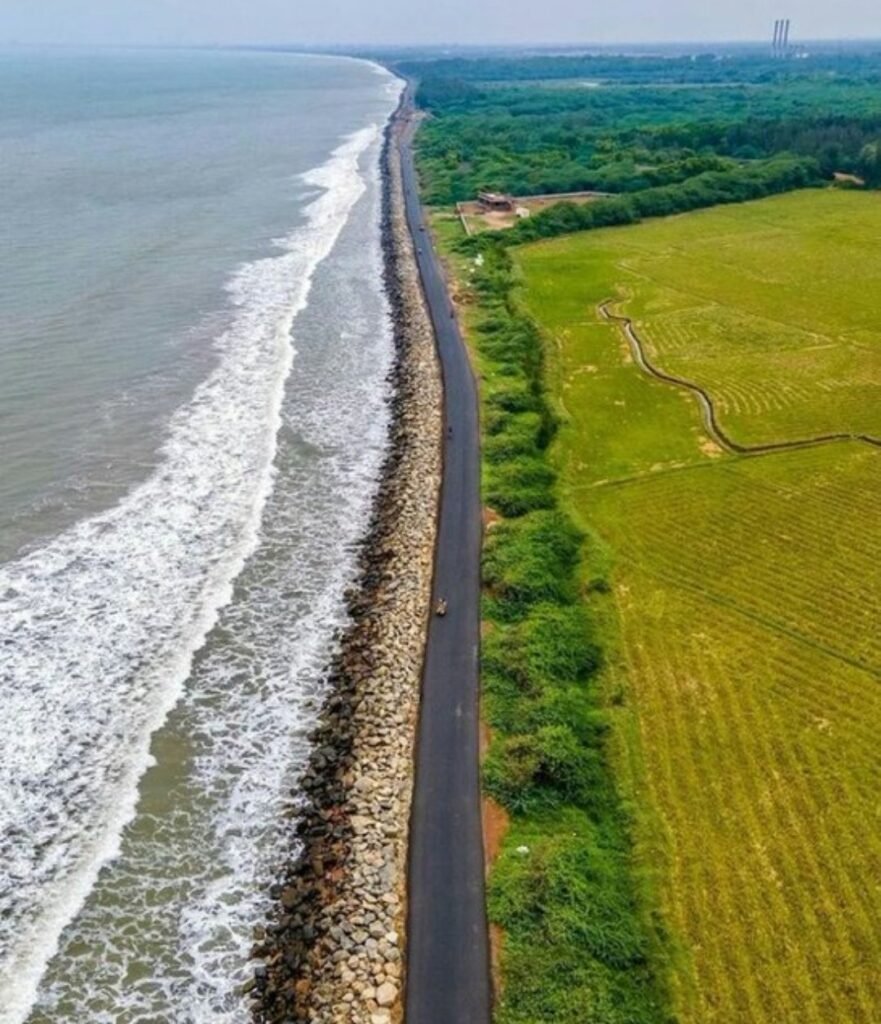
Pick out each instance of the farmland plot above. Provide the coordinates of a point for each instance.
(745, 683)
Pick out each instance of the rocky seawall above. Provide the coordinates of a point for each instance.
(332, 951)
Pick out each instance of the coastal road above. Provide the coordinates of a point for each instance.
(448, 977)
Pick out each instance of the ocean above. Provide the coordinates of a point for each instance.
(194, 355)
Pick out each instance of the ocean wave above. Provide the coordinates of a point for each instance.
(98, 628)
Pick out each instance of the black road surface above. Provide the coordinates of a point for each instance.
(448, 979)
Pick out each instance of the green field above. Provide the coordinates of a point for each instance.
(743, 654)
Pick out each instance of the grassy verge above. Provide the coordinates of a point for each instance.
(579, 941)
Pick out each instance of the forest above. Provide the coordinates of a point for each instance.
(532, 126)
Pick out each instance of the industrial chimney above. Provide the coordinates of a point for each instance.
(776, 36)
(786, 36)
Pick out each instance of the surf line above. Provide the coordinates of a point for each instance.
(708, 410)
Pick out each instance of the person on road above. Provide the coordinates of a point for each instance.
(441, 607)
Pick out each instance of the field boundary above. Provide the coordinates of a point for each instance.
(708, 409)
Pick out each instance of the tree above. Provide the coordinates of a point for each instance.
(869, 164)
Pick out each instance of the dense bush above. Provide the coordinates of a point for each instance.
(575, 950)
(530, 559)
(556, 643)
(545, 767)
(513, 435)
(519, 484)
(713, 188)
(576, 942)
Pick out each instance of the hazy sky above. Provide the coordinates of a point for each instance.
(422, 21)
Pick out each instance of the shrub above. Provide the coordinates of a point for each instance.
(553, 644)
(520, 485)
(576, 950)
(532, 559)
(510, 770)
(515, 435)
(558, 644)
(513, 394)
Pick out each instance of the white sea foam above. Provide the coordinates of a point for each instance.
(98, 628)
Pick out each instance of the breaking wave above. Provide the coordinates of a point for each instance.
(98, 632)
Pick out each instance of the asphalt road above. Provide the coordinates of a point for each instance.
(448, 980)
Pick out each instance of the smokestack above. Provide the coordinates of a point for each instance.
(776, 35)
(786, 35)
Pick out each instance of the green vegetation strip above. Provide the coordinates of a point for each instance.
(579, 943)
(711, 188)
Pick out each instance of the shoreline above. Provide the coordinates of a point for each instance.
(332, 949)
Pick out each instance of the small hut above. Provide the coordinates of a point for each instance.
(495, 201)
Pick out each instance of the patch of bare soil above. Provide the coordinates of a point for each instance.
(490, 517)
(495, 827)
(496, 941)
(850, 179)
(482, 219)
(496, 823)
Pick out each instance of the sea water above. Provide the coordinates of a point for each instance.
(194, 357)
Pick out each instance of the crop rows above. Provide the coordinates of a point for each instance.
(772, 835)
(714, 535)
(748, 589)
(770, 382)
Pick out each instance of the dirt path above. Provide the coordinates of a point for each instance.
(708, 411)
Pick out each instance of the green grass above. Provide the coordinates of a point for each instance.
(574, 949)
(739, 695)
(771, 306)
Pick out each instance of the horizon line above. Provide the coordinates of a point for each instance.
(444, 46)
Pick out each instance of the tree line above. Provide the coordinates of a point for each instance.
(711, 188)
